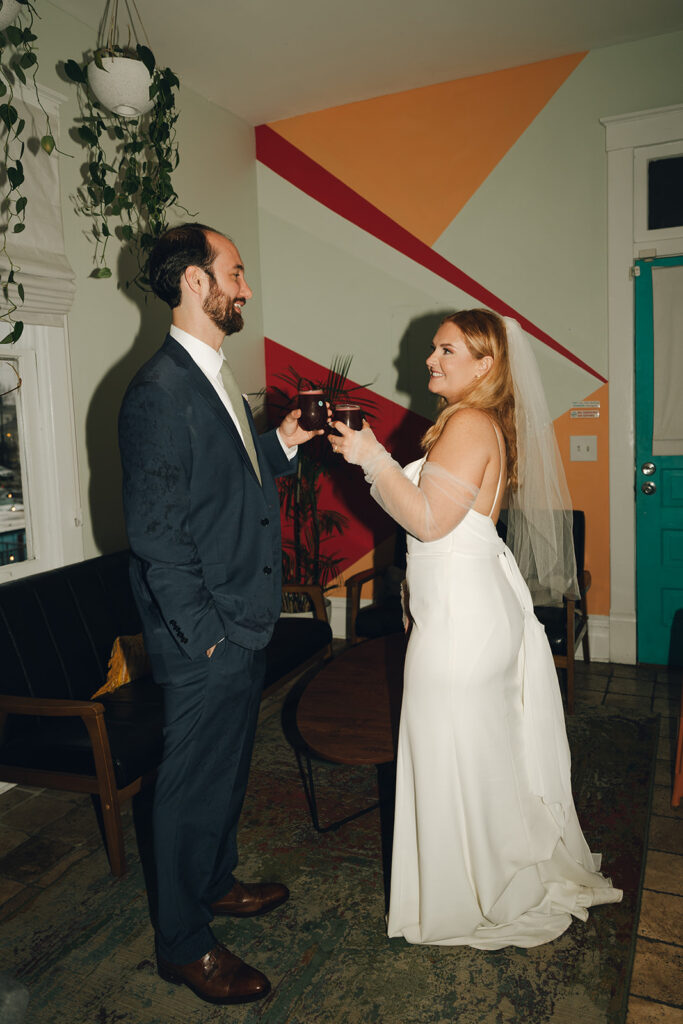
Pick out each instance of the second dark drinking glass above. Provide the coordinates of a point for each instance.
(351, 415)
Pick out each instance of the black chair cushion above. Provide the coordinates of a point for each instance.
(554, 621)
(380, 619)
(294, 641)
(134, 719)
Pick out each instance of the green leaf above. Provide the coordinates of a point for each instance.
(21, 124)
(87, 135)
(97, 58)
(20, 290)
(127, 233)
(21, 204)
(75, 72)
(15, 174)
(3, 88)
(28, 60)
(18, 227)
(14, 35)
(47, 143)
(118, 131)
(101, 272)
(8, 114)
(17, 330)
(147, 58)
(105, 229)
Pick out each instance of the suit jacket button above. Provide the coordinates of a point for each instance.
(267, 570)
(264, 522)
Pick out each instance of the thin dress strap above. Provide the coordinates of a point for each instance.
(500, 471)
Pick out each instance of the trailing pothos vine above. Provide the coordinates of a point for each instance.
(17, 60)
(130, 163)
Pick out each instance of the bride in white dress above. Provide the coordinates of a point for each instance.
(488, 850)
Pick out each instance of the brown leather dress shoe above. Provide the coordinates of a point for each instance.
(217, 977)
(250, 899)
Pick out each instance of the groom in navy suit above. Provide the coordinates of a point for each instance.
(202, 516)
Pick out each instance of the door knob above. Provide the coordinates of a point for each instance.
(648, 468)
(648, 487)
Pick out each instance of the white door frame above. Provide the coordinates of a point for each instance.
(625, 135)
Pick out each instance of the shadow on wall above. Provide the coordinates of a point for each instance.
(106, 510)
(411, 381)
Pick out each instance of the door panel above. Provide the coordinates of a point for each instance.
(659, 495)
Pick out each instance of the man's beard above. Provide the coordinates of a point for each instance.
(222, 310)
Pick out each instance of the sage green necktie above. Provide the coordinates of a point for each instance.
(235, 395)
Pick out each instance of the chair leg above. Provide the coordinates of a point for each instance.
(108, 794)
(678, 765)
(111, 817)
(585, 646)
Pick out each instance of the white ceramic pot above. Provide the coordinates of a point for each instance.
(123, 85)
(8, 12)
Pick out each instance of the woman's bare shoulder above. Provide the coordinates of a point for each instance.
(469, 423)
(467, 442)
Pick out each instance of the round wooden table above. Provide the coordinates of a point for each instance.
(349, 711)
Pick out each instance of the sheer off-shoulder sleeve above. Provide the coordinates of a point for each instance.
(429, 509)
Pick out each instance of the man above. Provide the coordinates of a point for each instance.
(202, 516)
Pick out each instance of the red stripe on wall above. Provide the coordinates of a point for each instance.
(310, 177)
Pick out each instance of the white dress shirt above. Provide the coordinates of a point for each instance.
(210, 362)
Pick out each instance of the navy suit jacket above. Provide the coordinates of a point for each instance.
(204, 534)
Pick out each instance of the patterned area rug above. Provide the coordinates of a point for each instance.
(84, 946)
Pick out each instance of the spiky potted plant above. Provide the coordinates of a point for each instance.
(308, 530)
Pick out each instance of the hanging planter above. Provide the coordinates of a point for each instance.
(121, 84)
(9, 11)
(128, 126)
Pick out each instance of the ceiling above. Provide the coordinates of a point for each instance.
(269, 59)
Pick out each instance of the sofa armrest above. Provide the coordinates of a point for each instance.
(52, 707)
(315, 593)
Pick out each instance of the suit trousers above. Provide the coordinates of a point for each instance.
(210, 711)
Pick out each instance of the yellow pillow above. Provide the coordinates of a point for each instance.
(128, 661)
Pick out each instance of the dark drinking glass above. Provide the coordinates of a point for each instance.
(349, 414)
(313, 409)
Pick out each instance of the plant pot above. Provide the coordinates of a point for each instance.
(8, 12)
(122, 87)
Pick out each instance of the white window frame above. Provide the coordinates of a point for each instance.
(50, 484)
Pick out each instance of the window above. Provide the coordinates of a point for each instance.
(40, 518)
(665, 193)
(15, 531)
(658, 197)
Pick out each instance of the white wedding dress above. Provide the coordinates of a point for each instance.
(488, 850)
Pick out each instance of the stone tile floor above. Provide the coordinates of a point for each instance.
(43, 832)
(656, 995)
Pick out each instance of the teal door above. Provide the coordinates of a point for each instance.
(659, 492)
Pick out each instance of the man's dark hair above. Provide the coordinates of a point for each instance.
(185, 245)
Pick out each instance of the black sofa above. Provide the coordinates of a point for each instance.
(56, 634)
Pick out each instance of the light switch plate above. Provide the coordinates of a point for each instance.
(583, 448)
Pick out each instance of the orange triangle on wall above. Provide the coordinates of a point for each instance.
(420, 155)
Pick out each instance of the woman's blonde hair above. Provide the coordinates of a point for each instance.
(485, 335)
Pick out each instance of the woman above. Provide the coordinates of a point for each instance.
(488, 851)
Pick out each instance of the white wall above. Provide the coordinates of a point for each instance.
(112, 331)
